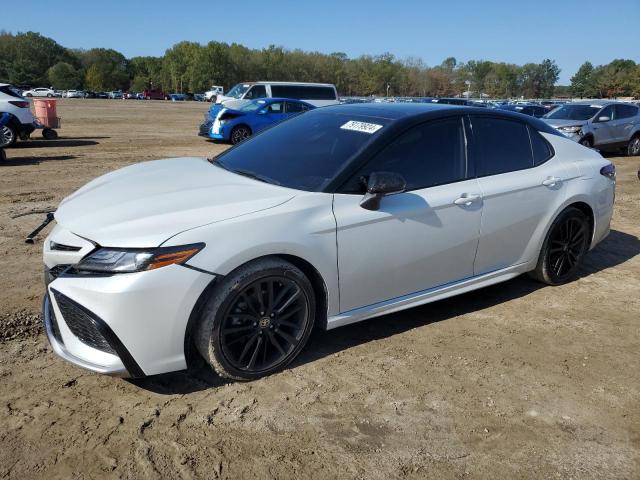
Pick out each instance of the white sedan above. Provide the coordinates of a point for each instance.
(74, 94)
(39, 92)
(337, 215)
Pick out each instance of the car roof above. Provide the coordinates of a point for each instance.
(600, 103)
(390, 111)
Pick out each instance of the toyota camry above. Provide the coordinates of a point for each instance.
(332, 217)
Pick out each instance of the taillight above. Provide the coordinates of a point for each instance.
(609, 171)
(19, 104)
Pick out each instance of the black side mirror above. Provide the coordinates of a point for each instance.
(380, 184)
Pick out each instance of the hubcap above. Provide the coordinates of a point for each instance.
(635, 146)
(567, 245)
(264, 323)
(6, 136)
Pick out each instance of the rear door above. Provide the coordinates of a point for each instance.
(422, 238)
(626, 122)
(521, 183)
(269, 115)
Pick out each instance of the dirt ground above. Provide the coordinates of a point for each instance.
(513, 381)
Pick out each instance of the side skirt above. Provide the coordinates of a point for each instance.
(426, 296)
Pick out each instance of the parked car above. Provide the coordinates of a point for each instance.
(115, 94)
(336, 216)
(459, 101)
(21, 122)
(177, 97)
(212, 94)
(537, 111)
(153, 94)
(39, 92)
(601, 124)
(130, 96)
(74, 94)
(317, 94)
(90, 94)
(102, 95)
(233, 125)
(199, 97)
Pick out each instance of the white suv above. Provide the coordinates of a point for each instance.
(21, 123)
(212, 94)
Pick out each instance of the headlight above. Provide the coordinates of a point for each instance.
(575, 129)
(116, 260)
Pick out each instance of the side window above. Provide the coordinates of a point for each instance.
(257, 91)
(540, 148)
(503, 145)
(427, 155)
(295, 107)
(277, 107)
(606, 112)
(626, 111)
(282, 91)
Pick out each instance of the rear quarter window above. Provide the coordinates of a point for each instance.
(502, 145)
(539, 147)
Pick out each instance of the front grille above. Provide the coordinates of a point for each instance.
(82, 324)
(50, 274)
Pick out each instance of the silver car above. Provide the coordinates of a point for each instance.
(600, 124)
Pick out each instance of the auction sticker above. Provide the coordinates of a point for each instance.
(363, 127)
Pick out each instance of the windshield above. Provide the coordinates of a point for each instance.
(573, 112)
(305, 152)
(238, 90)
(253, 106)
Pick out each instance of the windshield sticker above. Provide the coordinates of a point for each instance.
(363, 127)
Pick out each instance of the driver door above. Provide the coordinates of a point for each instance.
(422, 238)
(268, 115)
(603, 132)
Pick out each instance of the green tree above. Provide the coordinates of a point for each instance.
(64, 77)
(582, 82)
(106, 69)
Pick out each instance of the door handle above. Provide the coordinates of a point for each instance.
(551, 181)
(466, 199)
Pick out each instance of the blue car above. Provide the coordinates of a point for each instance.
(234, 125)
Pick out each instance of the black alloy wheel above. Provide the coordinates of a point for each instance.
(239, 133)
(567, 246)
(264, 324)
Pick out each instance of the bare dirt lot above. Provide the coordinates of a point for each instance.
(513, 381)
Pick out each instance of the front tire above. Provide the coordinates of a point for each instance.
(8, 136)
(586, 142)
(564, 248)
(239, 133)
(633, 147)
(257, 321)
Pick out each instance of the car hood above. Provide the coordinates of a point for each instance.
(145, 204)
(233, 103)
(564, 123)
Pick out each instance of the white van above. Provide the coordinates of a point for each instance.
(318, 94)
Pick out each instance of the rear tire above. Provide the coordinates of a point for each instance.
(564, 248)
(239, 133)
(257, 320)
(8, 136)
(633, 147)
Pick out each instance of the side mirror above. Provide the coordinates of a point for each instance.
(380, 184)
(262, 111)
(603, 118)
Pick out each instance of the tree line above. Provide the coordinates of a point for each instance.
(34, 60)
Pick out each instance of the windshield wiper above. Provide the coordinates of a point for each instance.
(255, 176)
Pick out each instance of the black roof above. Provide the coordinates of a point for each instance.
(405, 114)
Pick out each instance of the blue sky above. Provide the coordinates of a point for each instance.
(567, 31)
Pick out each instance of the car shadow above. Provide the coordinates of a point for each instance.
(60, 142)
(20, 161)
(617, 248)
